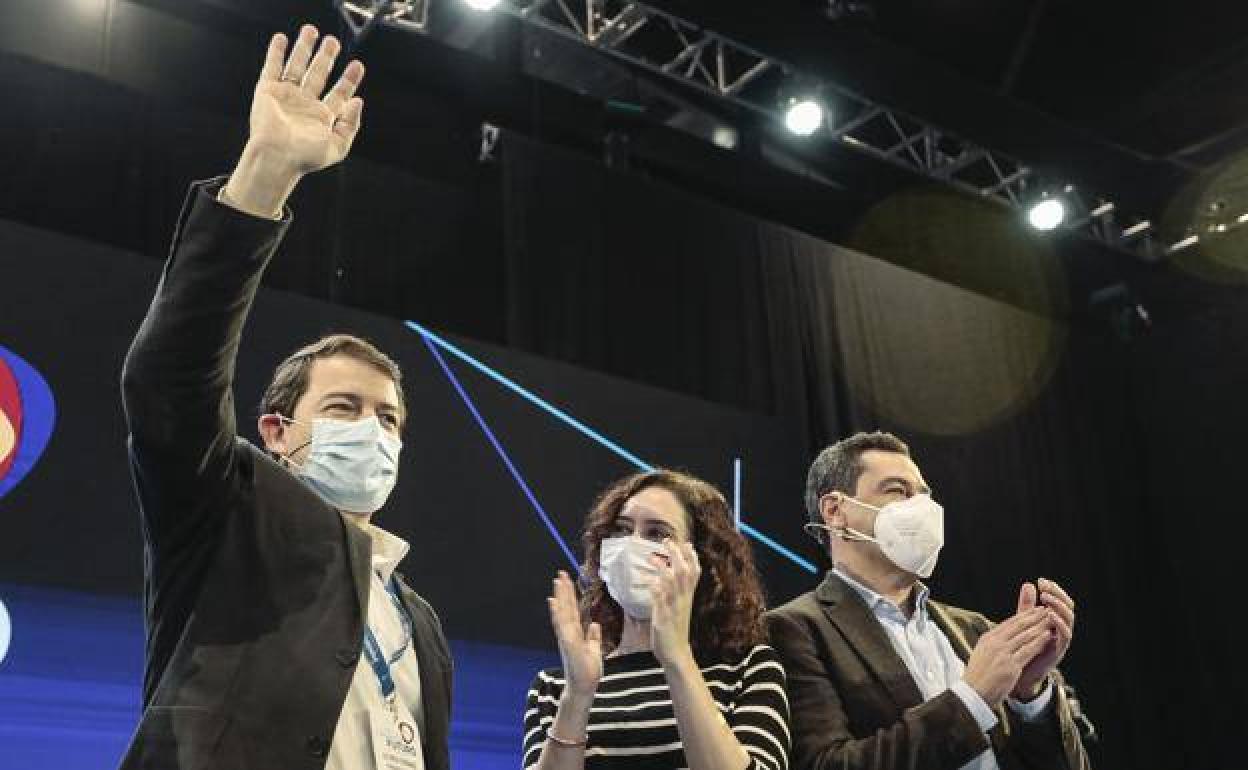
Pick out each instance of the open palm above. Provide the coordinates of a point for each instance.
(291, 118)
(579, 647)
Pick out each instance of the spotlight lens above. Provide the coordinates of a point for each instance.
(803, 117)
(1047, 214)
(482, 5)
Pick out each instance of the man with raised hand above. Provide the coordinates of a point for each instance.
(279, 634)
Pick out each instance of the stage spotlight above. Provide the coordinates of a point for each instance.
(1046, 214)
(482, 5)
(803, 117)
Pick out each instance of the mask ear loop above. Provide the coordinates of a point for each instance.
(285, 457)
(813, 528)
(844, 533)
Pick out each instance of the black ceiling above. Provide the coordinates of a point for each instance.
(1164, 79)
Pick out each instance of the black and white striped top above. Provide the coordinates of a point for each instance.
(632, 725)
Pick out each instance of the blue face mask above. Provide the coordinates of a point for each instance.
(353, 465)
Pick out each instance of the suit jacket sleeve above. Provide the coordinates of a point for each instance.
(940, 733)
(1052, 741)
(178, 375)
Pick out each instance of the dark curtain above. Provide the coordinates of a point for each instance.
(1060, 449)
(1040, 435)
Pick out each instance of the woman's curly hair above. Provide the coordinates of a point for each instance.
(728, 602)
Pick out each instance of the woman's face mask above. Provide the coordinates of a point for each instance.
(352, 464)
(624, 564)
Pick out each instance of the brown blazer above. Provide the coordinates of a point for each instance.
(854, 703)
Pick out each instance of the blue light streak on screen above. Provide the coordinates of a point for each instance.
(431, 340)
(502, 453)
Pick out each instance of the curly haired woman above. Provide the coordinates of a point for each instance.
(664, 661)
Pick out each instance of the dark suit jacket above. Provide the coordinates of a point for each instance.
(854, 703)
(254, 588)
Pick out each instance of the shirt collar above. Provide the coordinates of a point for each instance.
(881, 605)
(388, 550)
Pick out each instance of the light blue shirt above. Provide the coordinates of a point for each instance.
(935, 666)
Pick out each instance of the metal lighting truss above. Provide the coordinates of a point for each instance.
(683, 51)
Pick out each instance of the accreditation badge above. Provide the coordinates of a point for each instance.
(396, 739)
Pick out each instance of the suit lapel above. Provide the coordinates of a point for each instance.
(433, 666)
(958, 636)
(851, 616)
(360, 554)
(963, 640)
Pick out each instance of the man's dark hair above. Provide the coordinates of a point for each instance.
(290, 379)
(838, 468)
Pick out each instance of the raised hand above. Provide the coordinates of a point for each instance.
(672, 601)
(1062, 619)
(1001, 654)
(289, 115)
(296, 126)
(579, 647)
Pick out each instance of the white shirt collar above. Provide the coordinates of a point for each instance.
(879, 603)
(388, 550)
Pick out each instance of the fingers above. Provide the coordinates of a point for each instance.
(593, 640)
(347, 125)
(684, 563)
(300, 55)
(1050, 587)
(1019, 622)
(1034, 646)
(274, 57)
(318, 71)
(691, 557)
(553, 606)
(679, 560)
(563, 608)
(346, 86)
(1053, 596)
(1026, 597)
(566, 592)
(1059, 609)
(1019, 644)
(660, 590)
(1064, 629)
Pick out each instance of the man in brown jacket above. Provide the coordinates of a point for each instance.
(879, 676)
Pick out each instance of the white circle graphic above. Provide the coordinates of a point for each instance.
(6, 632)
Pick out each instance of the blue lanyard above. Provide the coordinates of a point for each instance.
(372, 648)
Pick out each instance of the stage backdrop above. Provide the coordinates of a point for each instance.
(504, 454)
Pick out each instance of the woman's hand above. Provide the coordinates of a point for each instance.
(579, 647)
(672, 605)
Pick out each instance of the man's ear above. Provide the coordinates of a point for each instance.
(831, 510)
(272, 430)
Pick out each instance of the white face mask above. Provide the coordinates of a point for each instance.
(624, 564)
(351, 464)
(910, 533)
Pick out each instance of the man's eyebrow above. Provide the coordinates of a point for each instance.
(921, 488)
(353, 398)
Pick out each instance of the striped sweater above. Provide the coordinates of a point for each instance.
(632, 724)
